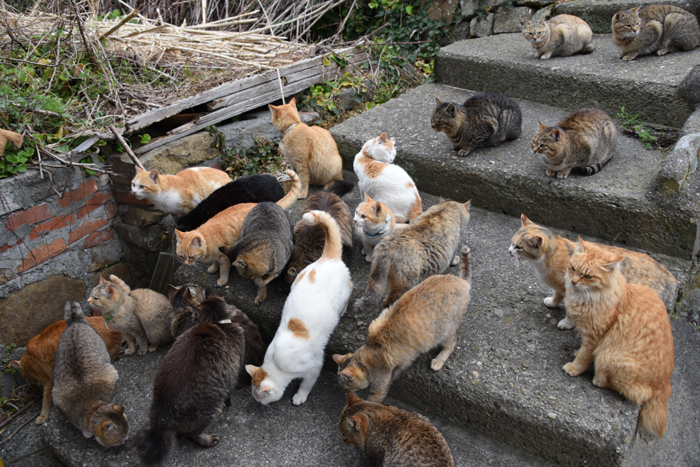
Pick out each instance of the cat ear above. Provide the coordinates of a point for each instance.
(263, 391)
(438, 101)
(139, 169)
(340, 359)
(102, 279)
(196, 242)
(579, 246)
(118, 408)
(636, 10)
(16, 364)
(367, 198)
(154, 175)
(467, 205)
(542, 127)
(525, 221)
(251, 369)
(178, 234)
(377, 208)
(110, 291)
(240, 264)
(358, 423)
(352, 398)
(208, 293)
(442, 201)
(273, 108)
(617, 16)
(172, 290)
(610, 267)
(556, 134)
(293, 101)
(526, 22)
(451, 109)
(348, 373)
(535, 242)
(382, 138)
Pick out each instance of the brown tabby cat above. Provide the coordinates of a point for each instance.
(310, 150)
(584, 141)
(37, 362)
(484, 120)
(223, 230)
(549, 255)
(426, 316)
(392, 436)
(144, 316)
(423, 248)
(625, 332)
(657, 28)
(561, 36)
(185, 300)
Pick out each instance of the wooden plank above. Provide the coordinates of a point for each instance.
(223, 90)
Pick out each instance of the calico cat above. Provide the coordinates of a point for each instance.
(392, 436)
(84, 381)
(248, 189)
(223, 230)
(386, 182)
(185, 300)
(144, 316)
(310, 150)
(318, 299)
(426, 316)
(37, 362)
(374, 222)
(561, 36)
(264, 248)
(584, 140)
(625, 332)
(196, 379)
(549, 255)
(177, 194)
(309, 239)
(484, 120)
(657, 28)
(423, 248)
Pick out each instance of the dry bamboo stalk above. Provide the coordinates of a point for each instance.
(121, 23)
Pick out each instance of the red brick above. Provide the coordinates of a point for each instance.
(98, 237)
(129, 198)
(28, 216)
(111, 210)
(86, 228)
(80, 193)
(56, 223)
(93, 203)
(7, 246)
(41, 254)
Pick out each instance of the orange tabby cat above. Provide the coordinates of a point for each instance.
(222, 230)
(310, 150)
(36, 364)
(374, 222)
(11, 136)
(625, 332)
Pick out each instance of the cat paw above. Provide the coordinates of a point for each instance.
(299, 399)
(222, 282)
(546, 56)
(550, 173)
(153, 348)
(303, 195)
(41, 419)
(629, 57)
(661, 52)
(570, 370)
(436, 364)
(213, 268)
(259, 299)
(129, 351)
(550, 303)
(87, 434)
(600, 382)
(566, 323)
(213, 440)
(563, 175)
(463, 152)
(455, 261)
(142, 351)
(368, 258)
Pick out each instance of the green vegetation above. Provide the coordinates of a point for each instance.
(263, 157)
(652, 139)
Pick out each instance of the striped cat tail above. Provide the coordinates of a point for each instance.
(153, 444)
(587, 170)
(72, 312)
(466, 268)
(120, 283)
(339, 187)
(652, 417)
(333, 247)
(293, 194)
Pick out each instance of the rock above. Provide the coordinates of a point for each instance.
(692, 125)
(119, 269)
(27, 312)
(680, 163)
(458, 32)
(148, 238)
(546, 13)
(182, 153)
(482, 27)
(443, 10)
(142, 217)
(689, 88)
(509, 20)
(105, 254)
(348, 97)
(242, 134)
(552, 415)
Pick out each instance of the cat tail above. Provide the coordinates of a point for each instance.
(466, 268)
(587, 170)
(293, 194)
(122, 285)
(153, 444)
(339, 187)
(652, 417)
(73, 312)
(333, 247)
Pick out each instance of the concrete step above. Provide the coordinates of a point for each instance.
(504, 380)
(598, 13)
(617, 204)
(650, 86)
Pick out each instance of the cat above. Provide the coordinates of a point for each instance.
(426, 316)
(185, 300)
(561, 36)
(196, 379)
(319, 297)
(264, 247)
(84, 381)
(392, 436)
(177, 194)
(584, 140)
(9, 136)
(549, 255)
(374, 222)
(310, 150)
(309, 239)
(248, 189)
(425, 247)
(657, 28)
(625, 332)
(143, 315)
(484, 120)
(223, 230)
(37, 362)
(386, 182)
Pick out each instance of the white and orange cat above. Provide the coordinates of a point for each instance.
(386, 182)
(223, 230)
(374, 222)
(310, 150)
(625, 333)
(177, 194)
(319, 297)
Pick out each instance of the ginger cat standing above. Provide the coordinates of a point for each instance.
(310, 150)
(374, 222)
(37, 362)
(549, 255)
(223, 230)
(625, 332)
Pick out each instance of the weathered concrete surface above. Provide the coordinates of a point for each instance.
(504, 379)
(618, 203)
(599, 13)
(506, 63)
(242, 134)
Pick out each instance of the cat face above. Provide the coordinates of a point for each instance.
(354, 424)
(369, 214)
(380, 149)
(445, 117)
(265, 390)
(191, 247)
(548, 142)
(536, 31)
(186, 296)
(105, 297)
(591, 269)
(284, 115)
(145, 184)
(527, 242)
(351, 374)
(626, 23)
(113, 429)
(252, 264)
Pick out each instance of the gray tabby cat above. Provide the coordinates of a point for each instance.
(84, 381)
(484, 120)
(657, 28)
(265, 246)
(584, 141)
(561, 36)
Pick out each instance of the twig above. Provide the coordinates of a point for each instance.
(20, 412)
(127, 148)
(279, 80)
(121, 23)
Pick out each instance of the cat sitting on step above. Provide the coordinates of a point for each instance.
(561, 36)
(374, 222)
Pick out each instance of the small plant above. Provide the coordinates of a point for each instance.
(10, 348)
(14, 161)
(648, 136)
(263, 157)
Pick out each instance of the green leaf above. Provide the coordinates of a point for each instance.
(409, 10)
(21, 168)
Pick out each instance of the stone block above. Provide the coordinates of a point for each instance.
(509, 20)
(680, 163)
(443, 10)
(692, 125)
(119, 269)
(123, 169)
(482, 27)
(546, 13)
(148, 238)
(79, 194)
(28, 189)
(85, 228)
(242, 134)
(105, 254)
(27, 312)
(56, 223)
(141, 217)
(98, 237)
(689, 88)
(30, 216)
(471, 8)
(98, 199)
(180, 154)
(41, 254)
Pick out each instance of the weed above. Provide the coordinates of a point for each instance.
(263, 157)
(650, 138)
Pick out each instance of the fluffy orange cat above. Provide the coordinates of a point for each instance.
(625, 332)
(223, 230)
(310, 150)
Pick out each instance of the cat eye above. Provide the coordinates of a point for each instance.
(518, 247)
(573, 269)
(587, 276)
